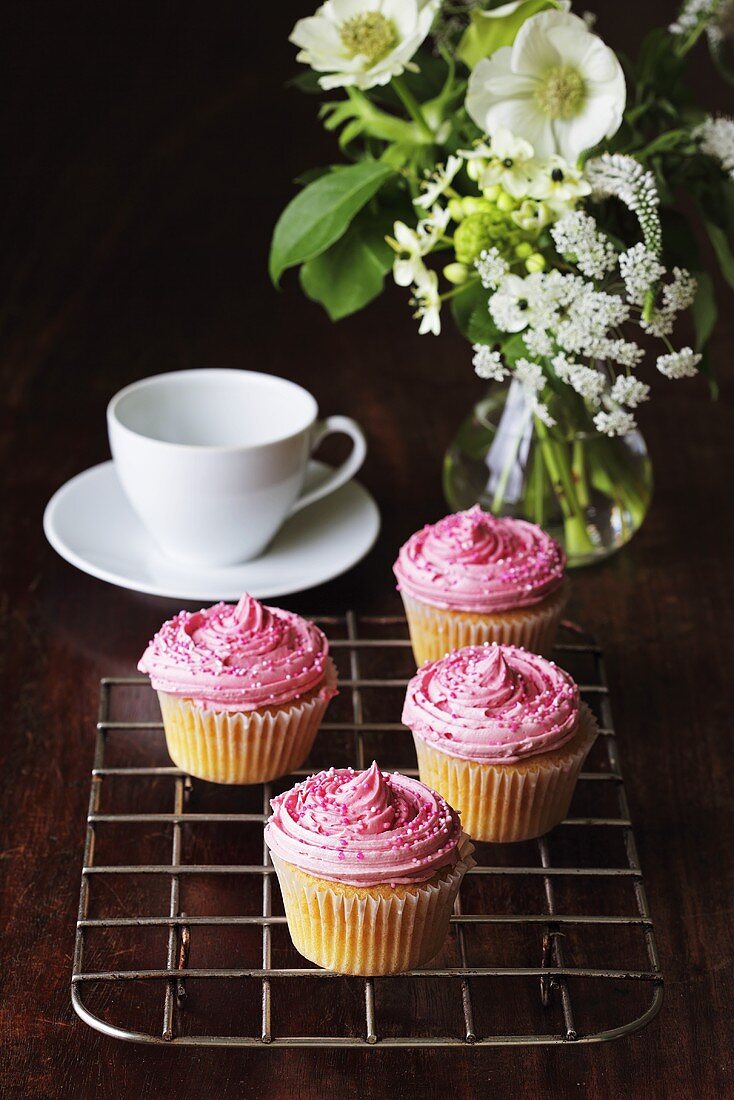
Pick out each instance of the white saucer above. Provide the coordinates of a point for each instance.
(90, 523)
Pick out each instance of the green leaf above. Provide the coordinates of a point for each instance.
(351, 273)
(481, 329)
(465, 305)
(488, 30)
(704, 309)
(663, 143)
(513, 349)
(319, 215)
(723, 251)
(307, 82)
(312, 174)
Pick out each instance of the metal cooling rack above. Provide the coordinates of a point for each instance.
(557, 996)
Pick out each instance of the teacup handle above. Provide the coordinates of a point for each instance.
(348, 468)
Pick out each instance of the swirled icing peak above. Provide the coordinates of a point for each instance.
(474, 561)
(492, 704)
(239, 658)
(364, 828)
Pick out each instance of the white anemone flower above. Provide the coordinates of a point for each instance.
(362, 43)
(558, 86)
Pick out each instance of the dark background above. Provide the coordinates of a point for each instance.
(148, 149)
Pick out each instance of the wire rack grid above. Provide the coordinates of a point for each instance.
(552, 941)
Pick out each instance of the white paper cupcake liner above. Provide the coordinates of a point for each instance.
(502, 803)
(370, 931)
(434, 632)
(241, 747)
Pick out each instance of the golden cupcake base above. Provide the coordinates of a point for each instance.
(435, 632)
(370, 930)
(242, 747)
(502, 803)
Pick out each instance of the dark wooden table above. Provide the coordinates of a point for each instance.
(149, 148)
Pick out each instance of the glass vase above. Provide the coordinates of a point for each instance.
(589, 491)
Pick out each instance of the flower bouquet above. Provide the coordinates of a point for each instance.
(512, 170)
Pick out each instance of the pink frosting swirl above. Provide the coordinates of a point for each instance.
(492, 704)
(239, 658)
(473, 561)
(364, 828)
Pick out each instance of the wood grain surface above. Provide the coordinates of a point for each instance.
(148, 149)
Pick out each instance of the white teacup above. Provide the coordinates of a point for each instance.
(213, 461)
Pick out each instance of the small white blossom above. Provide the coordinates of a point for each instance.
(625, 352)
(537, 341)
(575, 236)
(488, 363)
(492, 268)
(678, 295)
(629, 391)
(542, 412)
(530, 375)
(428, 303)
(590, 314)
(679, 364)
(559, 184)
(531, 378)
(716, 139)
(587, 382)
(512, 164)
(692, 14)
(509, 305)
(410, 246)
(641, 272)
(616, 175)
(436, 183)
(434, 224)
(658, 324)
(616, 422)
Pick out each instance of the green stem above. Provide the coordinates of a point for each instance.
(539, 484)
(412, 106)
(559, 470)
(689, 42)
(578, 467)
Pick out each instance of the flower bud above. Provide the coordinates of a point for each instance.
(456, 209)
(473, 205)
(523, 250)
(456, 273)
(536, 262)
(505, 202)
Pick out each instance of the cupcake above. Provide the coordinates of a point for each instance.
(474, 578)
(369, 866)
(501, 733)
(242, 689)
